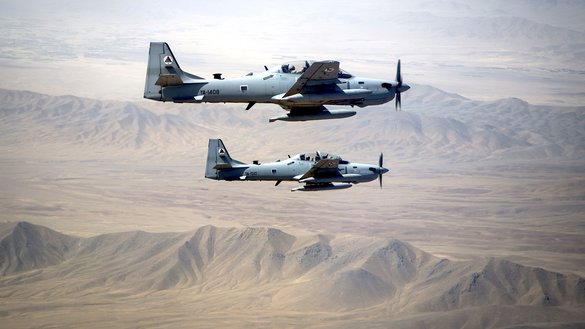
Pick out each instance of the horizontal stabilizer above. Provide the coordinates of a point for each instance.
(163, 70)
(219, 159)
(168, 80)
(223, 166)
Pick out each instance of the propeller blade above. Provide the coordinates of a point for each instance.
(398, 105)
(398, 75)
(381, 164)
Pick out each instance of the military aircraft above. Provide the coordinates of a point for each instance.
(318, 171)
(302, 88)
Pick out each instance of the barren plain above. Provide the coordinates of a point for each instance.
(108, 221)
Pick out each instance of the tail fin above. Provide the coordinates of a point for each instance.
(218, 158)
(163, 70)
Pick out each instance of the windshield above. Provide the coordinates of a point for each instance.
(344, 74)
(316, 156)
(300, 66)
(294, 67)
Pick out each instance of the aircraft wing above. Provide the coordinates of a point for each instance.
(319, 73)
(323, 168)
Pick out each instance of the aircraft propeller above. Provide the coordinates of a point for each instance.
(380, 170)
(398, 103)
(380, 165)
(398, 89)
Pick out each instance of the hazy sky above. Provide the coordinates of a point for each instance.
(530, 49)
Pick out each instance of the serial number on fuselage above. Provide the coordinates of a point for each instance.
(209, 92)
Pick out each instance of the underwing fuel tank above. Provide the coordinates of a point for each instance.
(309, 188)
(324, 115)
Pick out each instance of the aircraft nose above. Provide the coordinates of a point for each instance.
(383, 170)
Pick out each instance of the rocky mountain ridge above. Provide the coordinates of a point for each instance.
(433, 124)
(299, 272)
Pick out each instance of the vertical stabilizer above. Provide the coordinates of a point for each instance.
(218, 158)
(163, 70)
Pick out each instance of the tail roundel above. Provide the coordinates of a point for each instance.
(163, 70)
(218, 159)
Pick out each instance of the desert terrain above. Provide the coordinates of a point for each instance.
(108, 221)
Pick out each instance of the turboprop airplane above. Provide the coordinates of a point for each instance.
(318, 171)
(302, 88)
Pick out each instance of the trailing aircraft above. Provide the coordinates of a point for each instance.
(318, 170)
(302, 88)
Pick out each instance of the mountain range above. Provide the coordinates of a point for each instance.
(494, 185)
(433, 124)
(313, 273)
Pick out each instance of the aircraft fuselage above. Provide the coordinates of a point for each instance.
(266, 87)
(317, 171)
(290, 170)
(303, 88)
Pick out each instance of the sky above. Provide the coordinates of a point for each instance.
(485, 50)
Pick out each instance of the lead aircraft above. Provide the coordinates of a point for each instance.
(318, 171)
(302, 88)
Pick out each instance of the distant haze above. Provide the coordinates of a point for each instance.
(533, 50)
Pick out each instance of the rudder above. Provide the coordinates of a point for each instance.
(218, 158)
(163, 70)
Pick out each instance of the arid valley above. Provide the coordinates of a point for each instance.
(108, 221)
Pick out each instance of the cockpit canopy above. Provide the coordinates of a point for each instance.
(316, 156)
(295, 67)
(300, 66)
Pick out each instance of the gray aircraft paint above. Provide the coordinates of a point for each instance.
(303, 92)
(318, 171)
